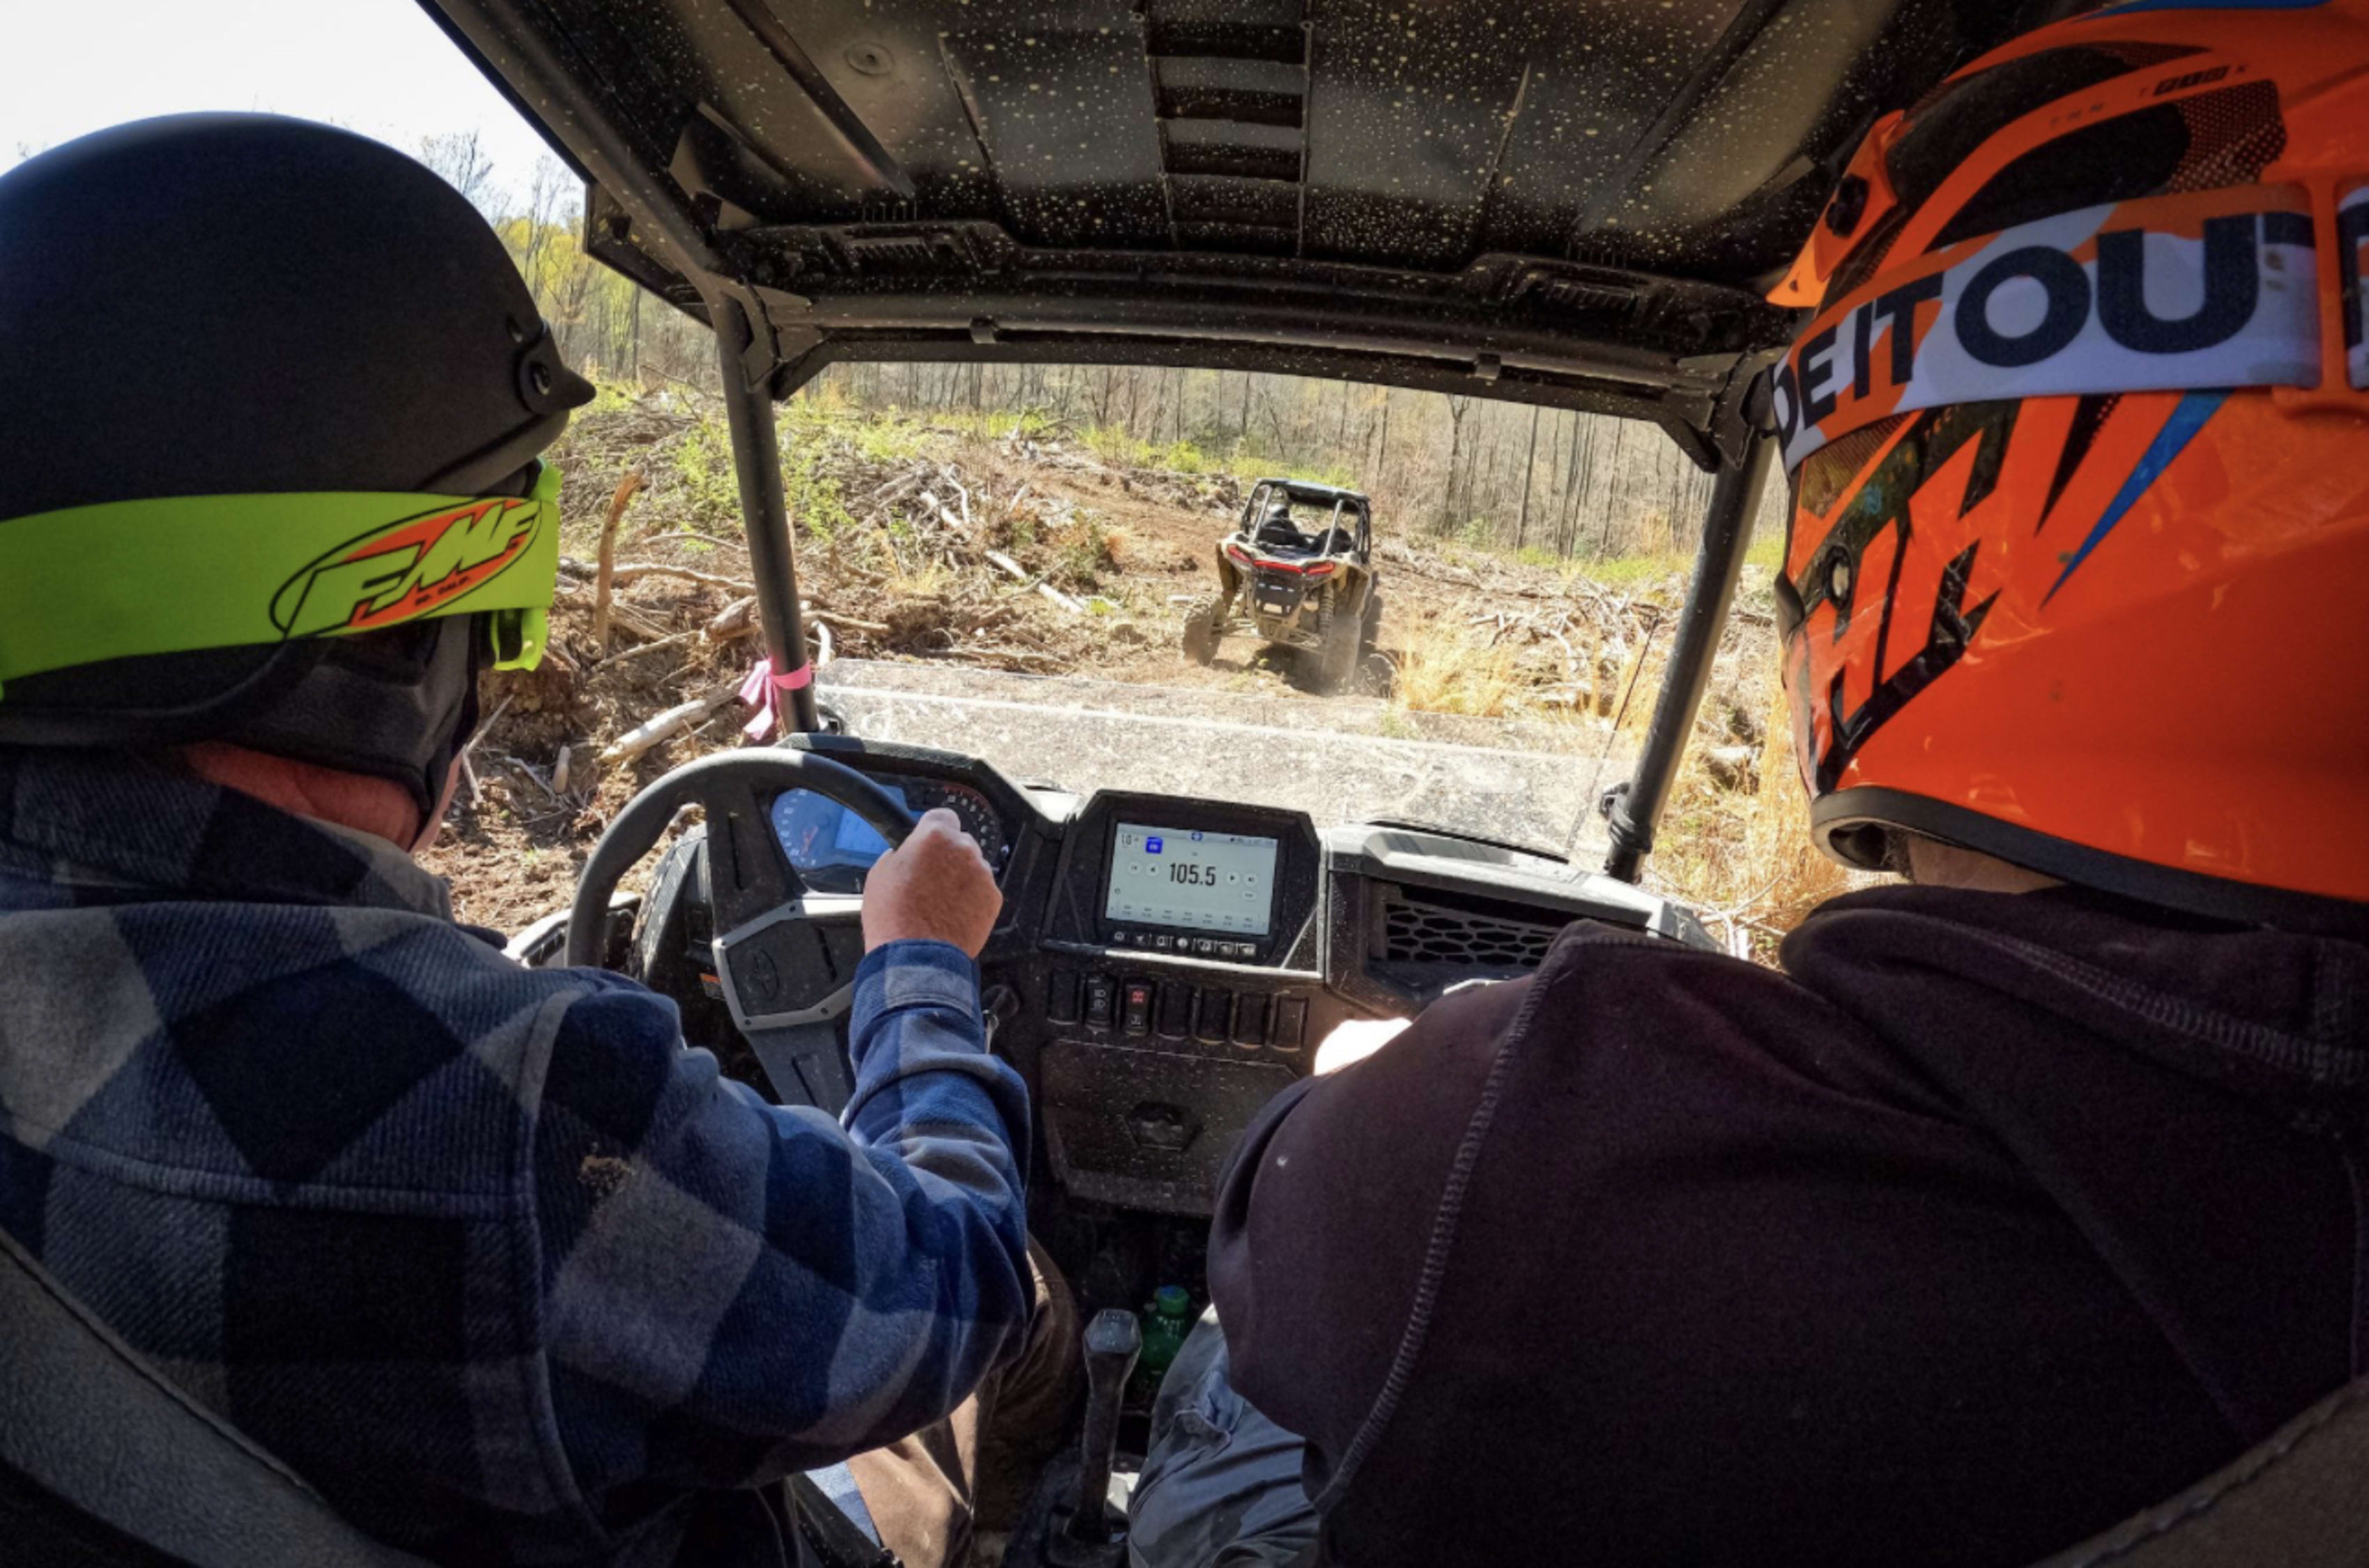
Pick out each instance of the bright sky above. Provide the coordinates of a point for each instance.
(380, 67)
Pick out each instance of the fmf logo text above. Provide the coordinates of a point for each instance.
(2170, 292)
(406, 569)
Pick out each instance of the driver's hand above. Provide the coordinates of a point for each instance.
(935, 887)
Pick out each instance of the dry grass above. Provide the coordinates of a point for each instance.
(1442, 669)
(1744, 858)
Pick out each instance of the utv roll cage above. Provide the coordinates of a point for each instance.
(1578, 208)
(1336, 505)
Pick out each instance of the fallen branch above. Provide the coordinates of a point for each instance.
(948, 474)
(898, 485)
(606, 577)
(1074, 606)
(525, 769)
(845, 622)
(664, 726)
(485, 725)
(997, 558)
(620, 613)
(674, 640)
(734, 620)
(628, 572)
(739, 619)
(945, 513)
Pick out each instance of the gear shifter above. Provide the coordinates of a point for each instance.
(1087, 1538)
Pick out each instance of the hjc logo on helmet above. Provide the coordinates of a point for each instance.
(406, 569)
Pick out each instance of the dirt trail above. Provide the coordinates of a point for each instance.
(899, 524)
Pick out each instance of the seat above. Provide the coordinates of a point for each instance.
(1274, 534)
(2298, 1499)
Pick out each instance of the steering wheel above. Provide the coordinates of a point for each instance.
(785, 956)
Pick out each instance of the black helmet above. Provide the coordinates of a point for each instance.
(249, 361)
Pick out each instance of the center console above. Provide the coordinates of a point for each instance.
(1182, 992)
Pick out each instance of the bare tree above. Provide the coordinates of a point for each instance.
(457, 158)
(1458, 406)
(1530, 472)
(548, 195)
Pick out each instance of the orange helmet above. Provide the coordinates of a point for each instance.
(2077, 569)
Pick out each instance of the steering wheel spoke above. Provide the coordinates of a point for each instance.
(792, 965)
(787, 956)
(746, 877)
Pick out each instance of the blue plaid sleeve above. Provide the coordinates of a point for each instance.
(733, 1290)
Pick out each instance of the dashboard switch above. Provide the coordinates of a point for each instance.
(1214, 1016)
(1175, 1010)
(1061, 997)
(1250, 1020)
(1135, 1007)
(1290, 1023)
(1101, 993)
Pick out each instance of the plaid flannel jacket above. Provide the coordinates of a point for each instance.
(481, 1251)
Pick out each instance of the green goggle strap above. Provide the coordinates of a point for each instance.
(184, 574)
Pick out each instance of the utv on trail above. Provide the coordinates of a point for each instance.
(1305, 579)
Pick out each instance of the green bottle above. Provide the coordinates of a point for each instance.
(1167, 1318)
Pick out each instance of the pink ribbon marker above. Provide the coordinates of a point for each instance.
(763, 691)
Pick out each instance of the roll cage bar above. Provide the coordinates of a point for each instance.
(1341, 500)
(822, 184)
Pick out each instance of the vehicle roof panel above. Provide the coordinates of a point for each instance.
(1578, 203)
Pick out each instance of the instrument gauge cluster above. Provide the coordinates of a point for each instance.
(831, 847)
(977, 814)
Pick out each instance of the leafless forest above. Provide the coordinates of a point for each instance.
(1567, 485)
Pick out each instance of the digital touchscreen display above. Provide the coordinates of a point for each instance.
(1198, 881)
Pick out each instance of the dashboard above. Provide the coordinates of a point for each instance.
(831, 847)
(1162, 967)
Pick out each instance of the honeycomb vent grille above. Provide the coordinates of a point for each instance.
(1426, 932)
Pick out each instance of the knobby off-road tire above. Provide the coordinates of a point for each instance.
(1200, 637)
(1370, 624)
(1337, 660)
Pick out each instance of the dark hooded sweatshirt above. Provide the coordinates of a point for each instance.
(1990, 1221)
